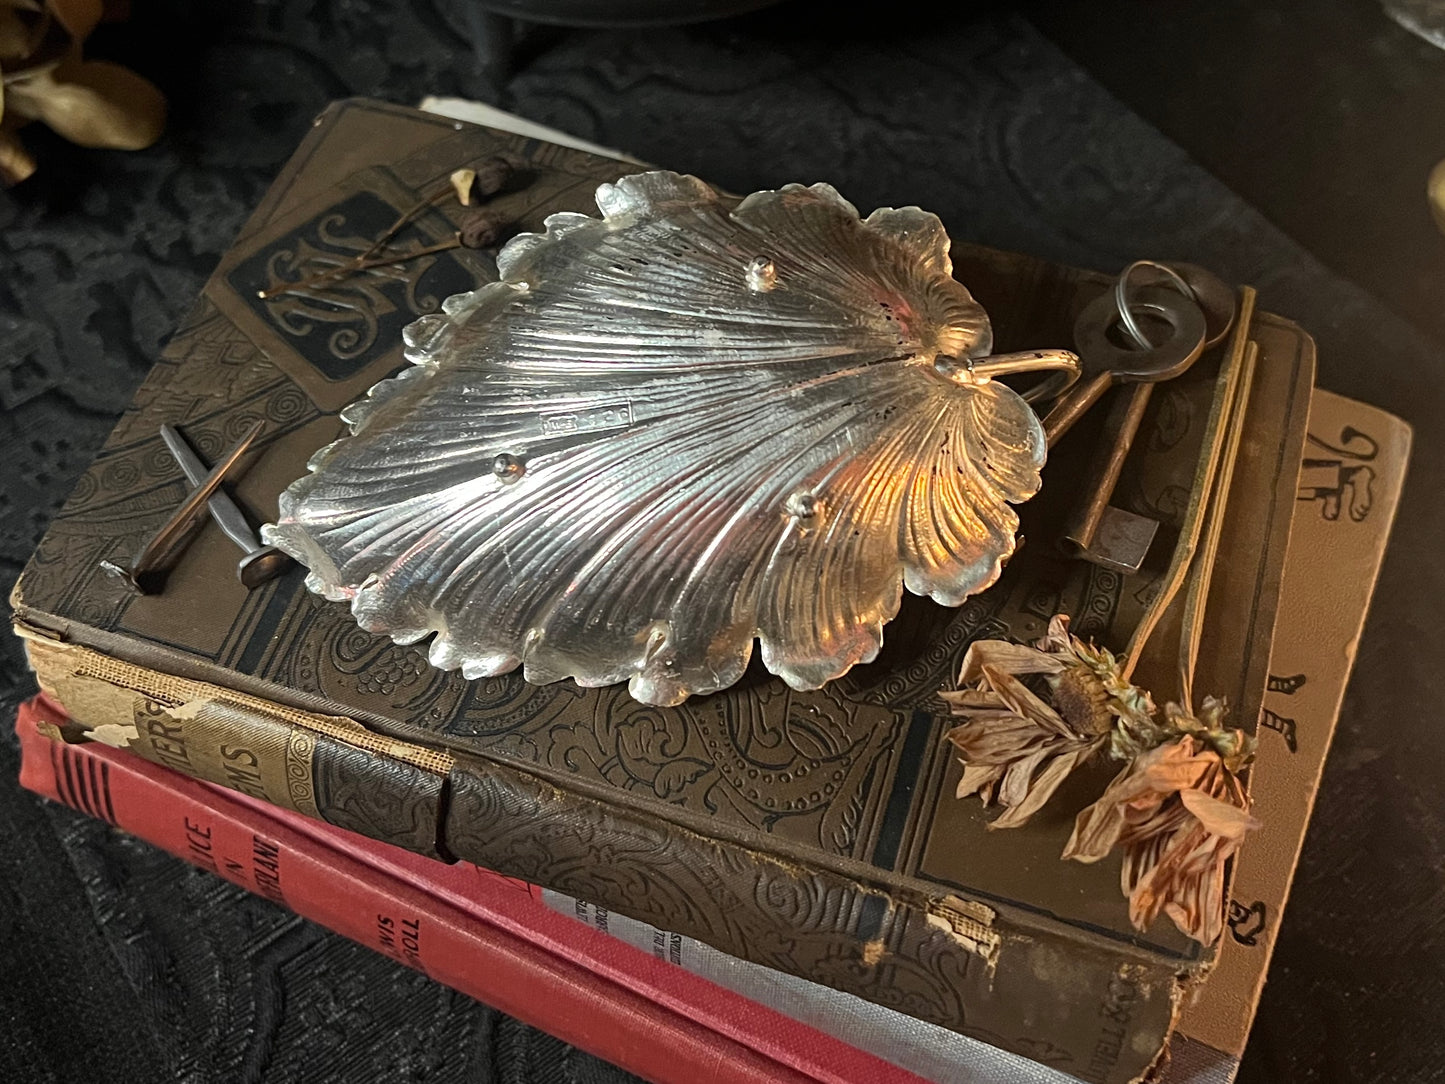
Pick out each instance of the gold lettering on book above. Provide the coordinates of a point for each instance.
(266, 869)
(198, 845)
(259, 748)
(232, 745)
(159, 739)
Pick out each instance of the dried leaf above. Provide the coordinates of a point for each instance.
(1135, 793)
(1041, 790)
(1013, 788)
(1164, 769)
(967, 701)
(1010, 759)
(1057, 637)
(1185, 881)
(1096, 830)
(1016, 695)
(1006, 656)
(993, 737)
(16, 164)
(975, 777)
(93, 103)
(1219, 818)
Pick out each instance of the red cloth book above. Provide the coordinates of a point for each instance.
(488, 936)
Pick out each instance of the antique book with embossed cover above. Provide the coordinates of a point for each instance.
(814, 832)
(475, 930)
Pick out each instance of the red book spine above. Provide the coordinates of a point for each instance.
(475, 931)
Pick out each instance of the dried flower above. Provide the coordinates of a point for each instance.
(1180, 811)
(493, 174)
(1017, 748)
(1178, 808)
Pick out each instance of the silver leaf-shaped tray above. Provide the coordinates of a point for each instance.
(673, 430)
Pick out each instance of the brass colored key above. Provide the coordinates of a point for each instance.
(1098, 531)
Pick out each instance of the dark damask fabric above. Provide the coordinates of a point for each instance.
(122, 964)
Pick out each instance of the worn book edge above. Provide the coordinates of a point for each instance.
(1334, 560)
(490, 812)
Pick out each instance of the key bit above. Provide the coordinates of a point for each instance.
(1121, 540)
(1097, 530)
(149, 567)
(259, 562)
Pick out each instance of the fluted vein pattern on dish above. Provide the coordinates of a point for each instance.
(672, 430)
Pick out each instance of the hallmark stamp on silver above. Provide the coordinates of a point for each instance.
(590, 420)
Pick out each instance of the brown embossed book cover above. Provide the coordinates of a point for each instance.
(1356, 457)
(813, 832)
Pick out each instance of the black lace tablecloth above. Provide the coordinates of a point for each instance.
(119, 963)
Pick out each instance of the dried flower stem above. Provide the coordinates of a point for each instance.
(342, 270)
(401, 223)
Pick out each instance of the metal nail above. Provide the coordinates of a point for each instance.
(148, 569)
(261, 562)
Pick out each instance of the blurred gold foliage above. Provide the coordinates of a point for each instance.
(1435, 188)
(44, 77)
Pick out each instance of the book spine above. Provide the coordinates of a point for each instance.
(453, 945)
(1096, 1009)
(322, 766)
(933, 1053)
(1100, 1010)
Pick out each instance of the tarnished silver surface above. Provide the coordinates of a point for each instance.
(672, 430)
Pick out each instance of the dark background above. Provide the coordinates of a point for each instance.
(1284, 144)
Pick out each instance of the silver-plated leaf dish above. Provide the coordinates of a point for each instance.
(670, 431)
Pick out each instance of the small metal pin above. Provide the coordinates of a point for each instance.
(261, 562)
(157, 557)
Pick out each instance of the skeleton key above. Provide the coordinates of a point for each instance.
(1106, 363)
(1207, 289)
(1097, 531)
